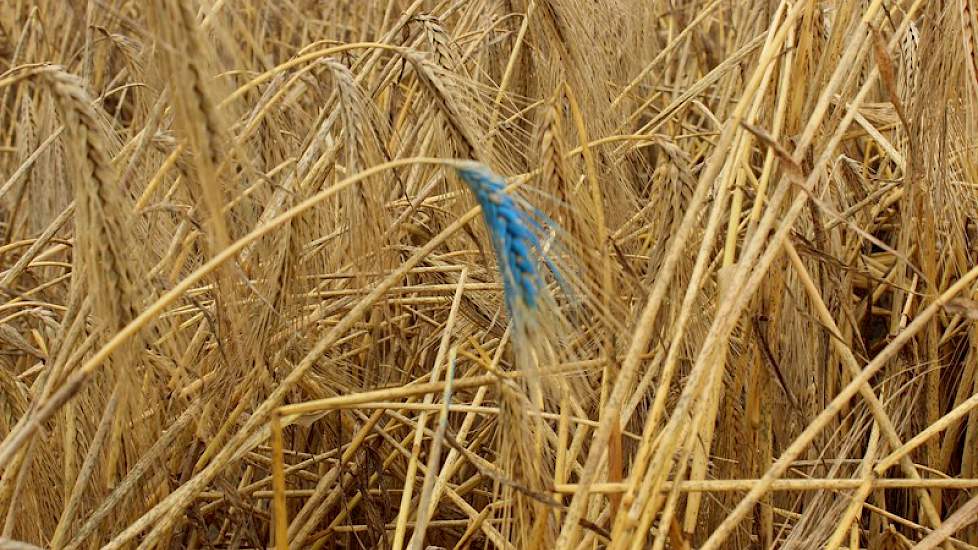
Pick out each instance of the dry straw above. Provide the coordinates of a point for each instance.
(722, 292)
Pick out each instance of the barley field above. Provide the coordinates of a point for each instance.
(480, 274)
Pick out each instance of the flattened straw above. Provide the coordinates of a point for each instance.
(10, 544)
(962, 517)
(781, 485)
(347, 401)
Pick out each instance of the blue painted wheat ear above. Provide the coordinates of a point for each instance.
(513, 237)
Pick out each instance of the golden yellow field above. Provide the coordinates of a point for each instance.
(476, 274)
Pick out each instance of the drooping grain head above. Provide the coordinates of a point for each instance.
(363, 212)
(438, 82)
(444, 47)
(183, 58)
(512, 233)
(105, 220)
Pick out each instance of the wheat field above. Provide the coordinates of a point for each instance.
(477, 274)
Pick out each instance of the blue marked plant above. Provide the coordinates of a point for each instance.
(517, 230)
